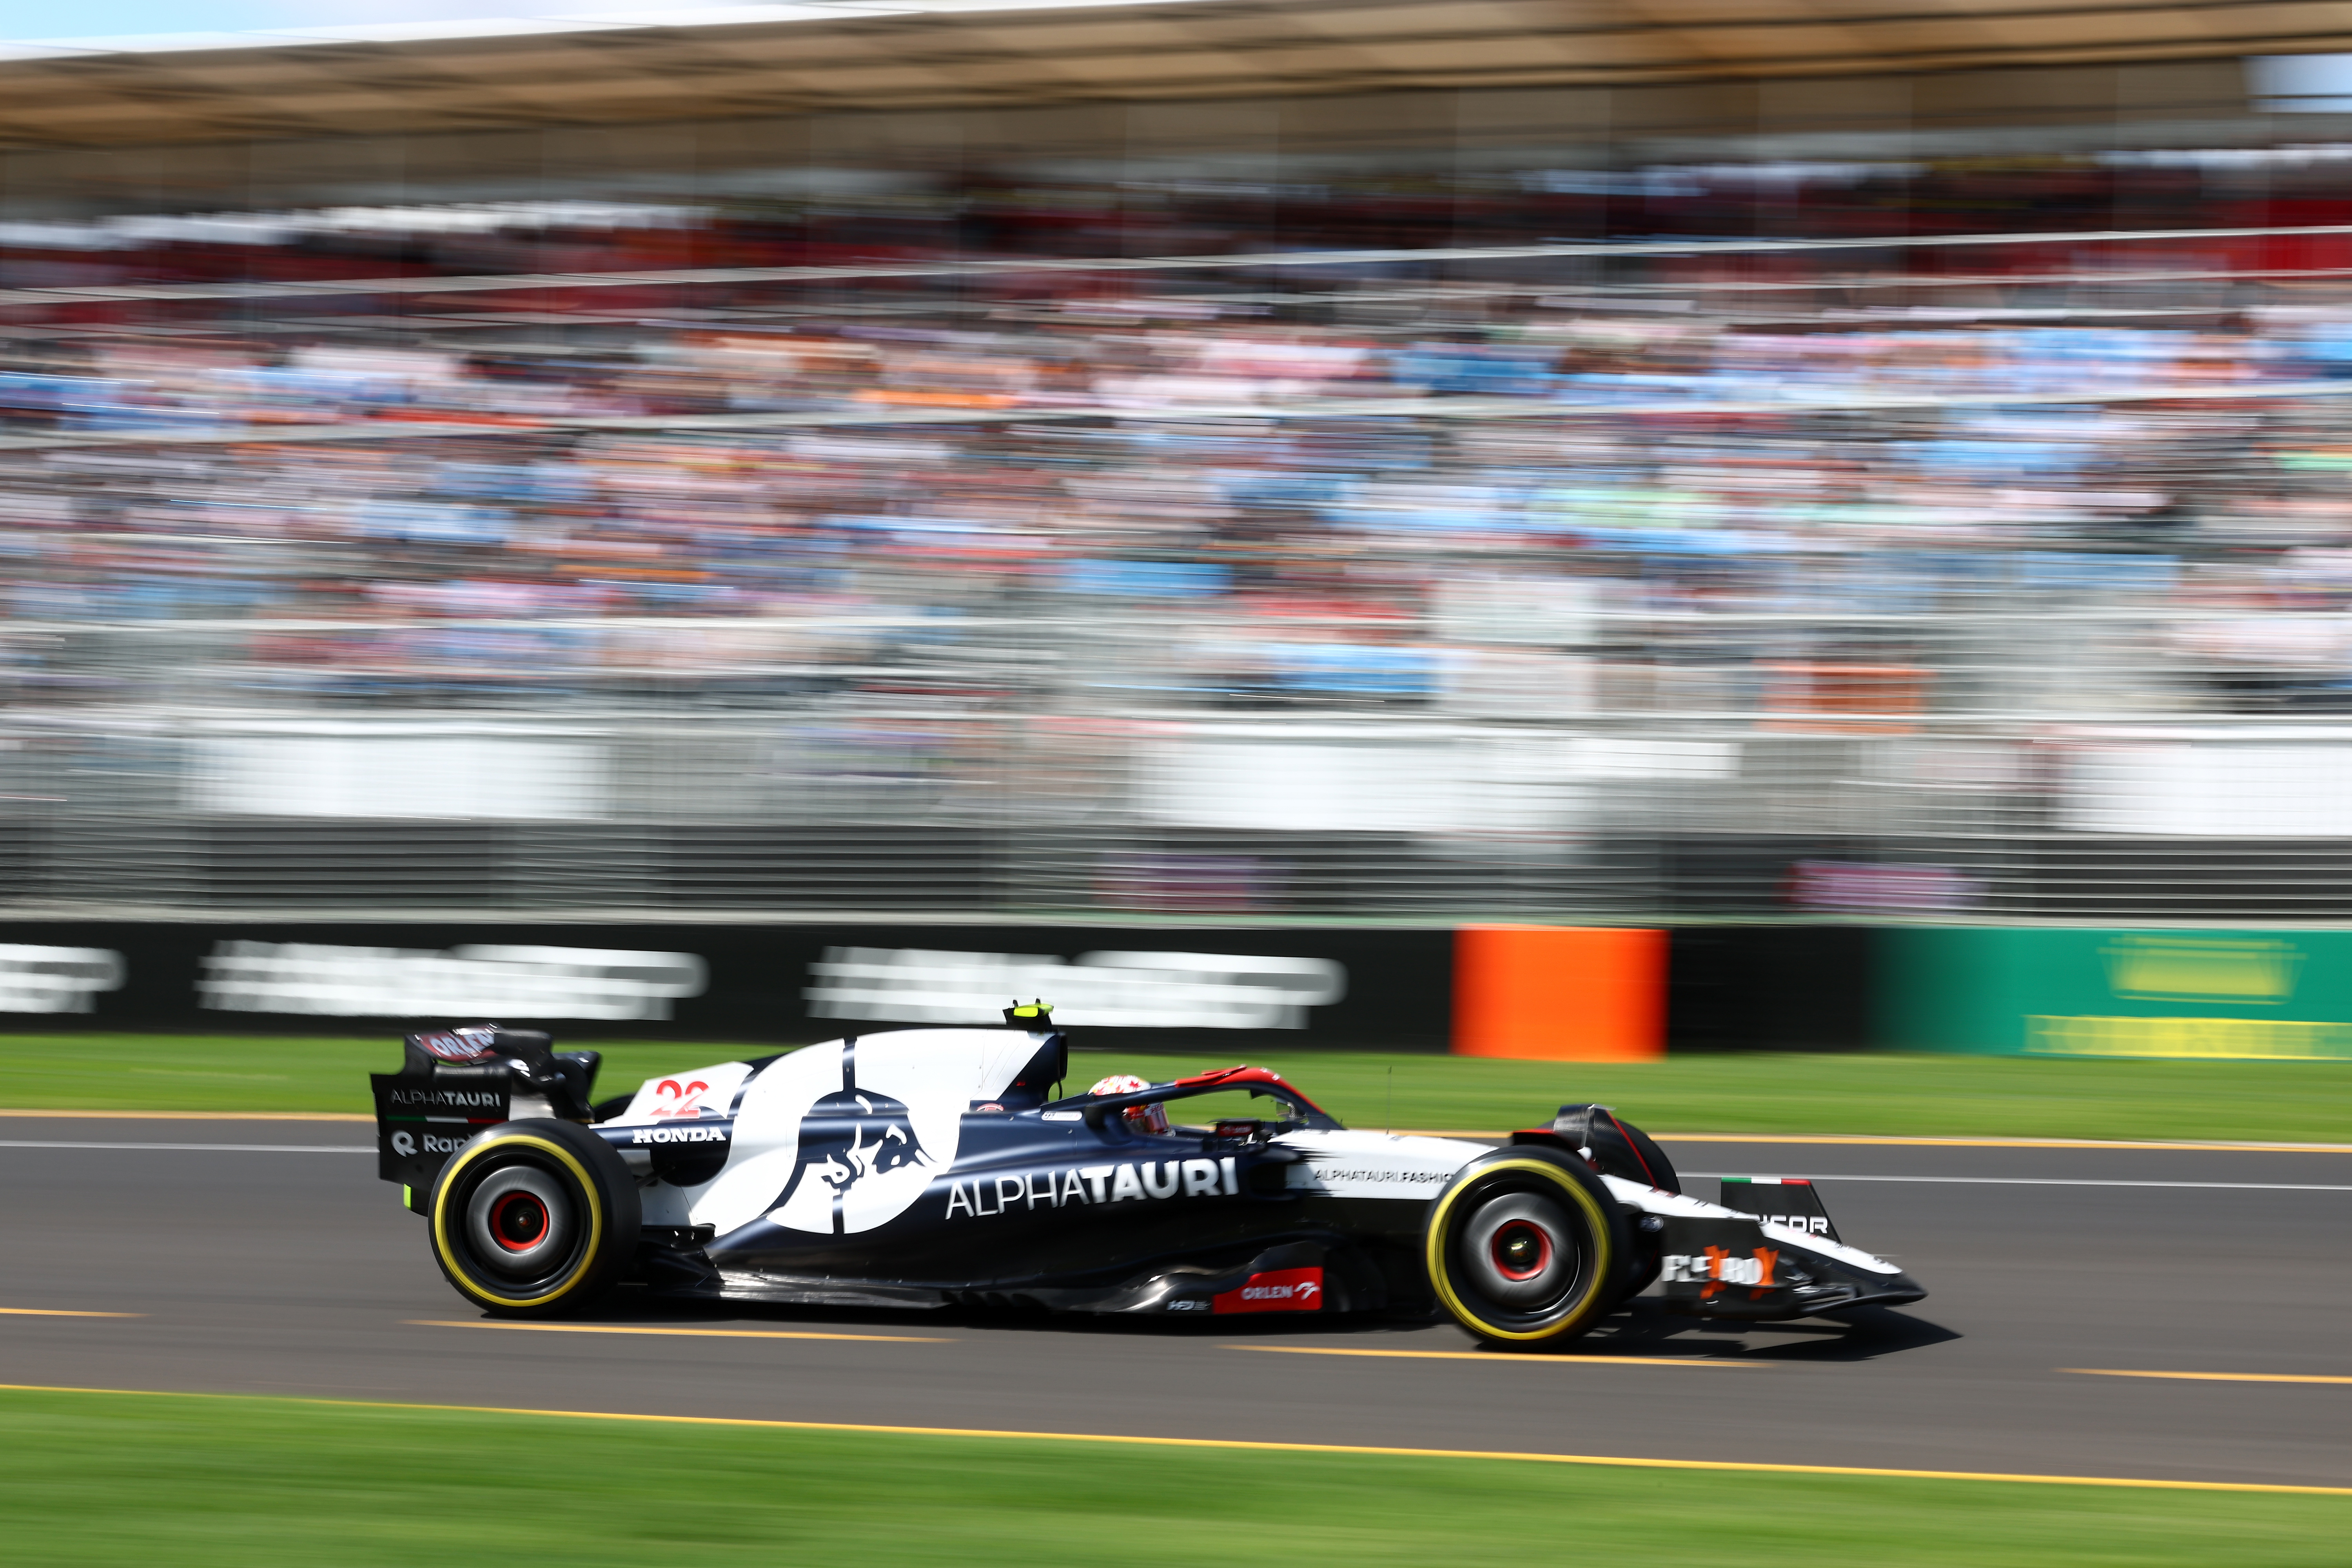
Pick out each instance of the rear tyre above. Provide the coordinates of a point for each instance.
(535, 1218)
(1525, 1247)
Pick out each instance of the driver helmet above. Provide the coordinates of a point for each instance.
(1152, 1118)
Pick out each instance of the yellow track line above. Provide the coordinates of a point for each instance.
(2209, 1377)
(701, 1333)
(1242, 1445)
(60, 1312)
(1506, 1358)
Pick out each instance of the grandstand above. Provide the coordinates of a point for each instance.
(1240, 461)
(778, 100)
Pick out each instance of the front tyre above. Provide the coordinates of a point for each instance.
(534, 1218)
(1525, 1247)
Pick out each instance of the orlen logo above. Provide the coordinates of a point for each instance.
(1282, 1290)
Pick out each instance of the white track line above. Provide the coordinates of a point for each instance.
(203, 1148)
(2060, 1182)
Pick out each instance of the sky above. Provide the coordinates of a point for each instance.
(43, 19)
(105, 18)
(84, 21)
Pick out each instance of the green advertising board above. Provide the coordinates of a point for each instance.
(2048, 991)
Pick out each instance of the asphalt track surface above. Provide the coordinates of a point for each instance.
(264, 1258)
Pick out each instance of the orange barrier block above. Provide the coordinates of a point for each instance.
(1562, 994)
(1869, 692)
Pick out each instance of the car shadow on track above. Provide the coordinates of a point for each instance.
(630, 1307)
(1643, 1329)
(1867, 1333)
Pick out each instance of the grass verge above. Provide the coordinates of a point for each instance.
(1886, 1094)
(195, 1480)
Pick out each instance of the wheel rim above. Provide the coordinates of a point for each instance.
(1521, 1252)
(521, 1225)
(518, 1222)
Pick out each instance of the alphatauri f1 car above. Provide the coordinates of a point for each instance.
(939, 1167)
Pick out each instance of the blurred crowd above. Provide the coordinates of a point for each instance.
(1825, 488)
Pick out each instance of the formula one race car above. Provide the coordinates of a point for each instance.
(935, 1167)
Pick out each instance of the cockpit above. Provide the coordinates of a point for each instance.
(1233, 1106)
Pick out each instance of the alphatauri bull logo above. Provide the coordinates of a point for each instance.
(850, 1135)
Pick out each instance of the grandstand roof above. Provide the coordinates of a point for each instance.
(800, 59)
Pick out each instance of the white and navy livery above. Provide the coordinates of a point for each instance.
(935, 1167)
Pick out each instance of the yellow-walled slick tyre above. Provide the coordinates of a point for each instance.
(534, 1218)
(1525, 1247)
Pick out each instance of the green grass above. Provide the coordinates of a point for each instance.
(1886, 1094)
(192, 1480)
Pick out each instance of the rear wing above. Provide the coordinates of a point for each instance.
(452, 1083)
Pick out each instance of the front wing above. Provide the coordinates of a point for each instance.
(1720, 1262)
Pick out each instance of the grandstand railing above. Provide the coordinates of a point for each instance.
(2107, 764)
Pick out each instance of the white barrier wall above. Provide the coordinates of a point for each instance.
(387, 770)
(2250, 788)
